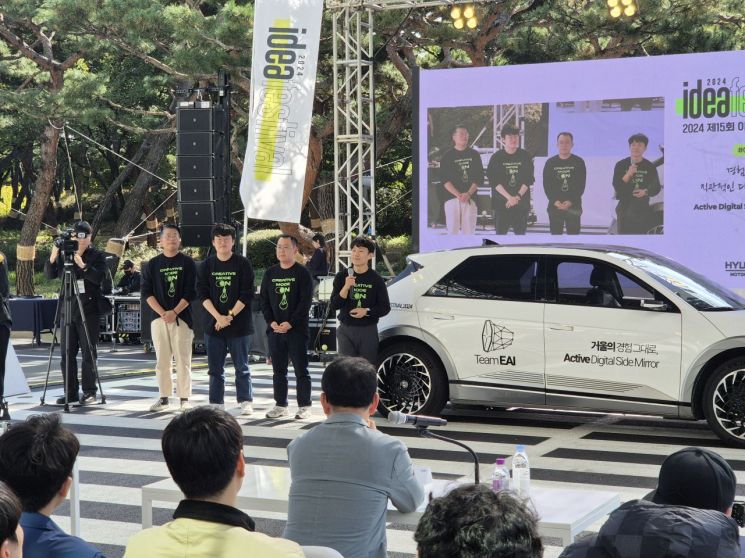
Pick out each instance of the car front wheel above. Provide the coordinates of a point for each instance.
(411, 380)
(724, 402)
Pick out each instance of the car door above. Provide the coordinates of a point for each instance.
(486, 314)
(605, 342)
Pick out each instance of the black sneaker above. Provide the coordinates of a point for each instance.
(88, 398)
(71, 400)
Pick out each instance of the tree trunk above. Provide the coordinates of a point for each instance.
(108, 198)
(25, 250)
(132, 210)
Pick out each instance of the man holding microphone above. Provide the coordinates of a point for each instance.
(361, 297)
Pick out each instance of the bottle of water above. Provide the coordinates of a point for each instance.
(521, 472)
(500, 480)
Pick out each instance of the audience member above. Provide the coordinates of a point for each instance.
(11, 532)
(687, 517)
(36, 461)
(474, 522)
(203, 449)
(344, 470)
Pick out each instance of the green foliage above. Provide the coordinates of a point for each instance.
(261, 246)
(396, 248)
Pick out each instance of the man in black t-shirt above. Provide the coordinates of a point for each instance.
(462, 173)
(361, 296)
(510, 173)
(564, 177)
(286, 295)
(635, 180)
(225, 285)
(168, 286)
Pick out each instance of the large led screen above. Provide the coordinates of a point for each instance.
(644, 152)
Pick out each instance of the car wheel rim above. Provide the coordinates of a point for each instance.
(729, 403)
(404, 383)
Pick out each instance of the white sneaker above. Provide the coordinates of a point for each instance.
(185, 404)
(220, 406)
(246, 408)
(159, 405)
(303, 413)
(277, 412)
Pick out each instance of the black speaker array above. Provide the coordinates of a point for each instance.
(201, 171)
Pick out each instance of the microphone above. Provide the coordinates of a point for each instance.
(397, 417)
(350, 273)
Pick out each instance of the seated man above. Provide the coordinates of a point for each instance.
(36, 461)
(344, 471)
(203, 449)
(474, 522)
(688, 515)
(11, 532)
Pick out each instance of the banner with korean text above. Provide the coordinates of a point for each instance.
(286, 40)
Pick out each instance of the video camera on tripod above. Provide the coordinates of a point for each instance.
(67, 241)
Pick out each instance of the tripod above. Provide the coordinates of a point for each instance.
(70, 292)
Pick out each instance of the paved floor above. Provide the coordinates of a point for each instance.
(121, 445)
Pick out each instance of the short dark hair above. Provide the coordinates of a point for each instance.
(363, 242)
(201, 447)
(292, 239)
(223, 229)
(639, 137)
(474, 522)
(509, 131)
(318, 237)
(456, 128)
(10, 514)
(571, 137)
(349, 382)
(36, 457)
(167, 226)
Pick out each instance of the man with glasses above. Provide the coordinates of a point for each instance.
(89, 267)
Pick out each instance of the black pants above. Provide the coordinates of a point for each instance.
(78, 342)
(4, 339)
(358, 341)
(634, 220)
(285, 347)
(515, 219)
(558, 218)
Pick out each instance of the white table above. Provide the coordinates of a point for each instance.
(563, 513)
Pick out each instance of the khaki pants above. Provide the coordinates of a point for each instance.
(460, 216)
(172, 341)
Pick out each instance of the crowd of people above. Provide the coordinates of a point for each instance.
(510, 175)
(343, 474)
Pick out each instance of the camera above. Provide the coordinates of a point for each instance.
(738, 513)
(67, 241)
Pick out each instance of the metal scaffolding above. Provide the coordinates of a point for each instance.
(354, 116)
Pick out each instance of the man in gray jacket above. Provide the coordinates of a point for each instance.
(688, 515)
(344, 471)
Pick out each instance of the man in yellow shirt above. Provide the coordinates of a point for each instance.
(203, 448)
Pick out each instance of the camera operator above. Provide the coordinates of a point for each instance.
(89, 268)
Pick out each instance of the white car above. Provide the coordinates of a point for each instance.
(571, 326)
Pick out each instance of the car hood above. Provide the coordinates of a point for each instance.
(731, 323)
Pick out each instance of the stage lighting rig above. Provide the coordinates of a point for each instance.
(625, 8)
(464, 16)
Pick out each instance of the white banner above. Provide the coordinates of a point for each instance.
(283, 76)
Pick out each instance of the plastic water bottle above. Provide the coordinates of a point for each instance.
(521, 472)
(500, 480)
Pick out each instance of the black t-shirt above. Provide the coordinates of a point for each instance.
(369, 291)
(286, 296)
(318, 265)
(225, 283)
(645, 179)
(511, 171)
(564, 180)
(130, 282)
(462, 169)
(93, 275)
(169, 280)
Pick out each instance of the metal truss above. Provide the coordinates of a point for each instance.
(354, 116)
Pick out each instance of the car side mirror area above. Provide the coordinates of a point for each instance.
(656, 305)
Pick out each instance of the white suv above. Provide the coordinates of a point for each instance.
(564, 326)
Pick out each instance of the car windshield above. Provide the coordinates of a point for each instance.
(696, 290)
